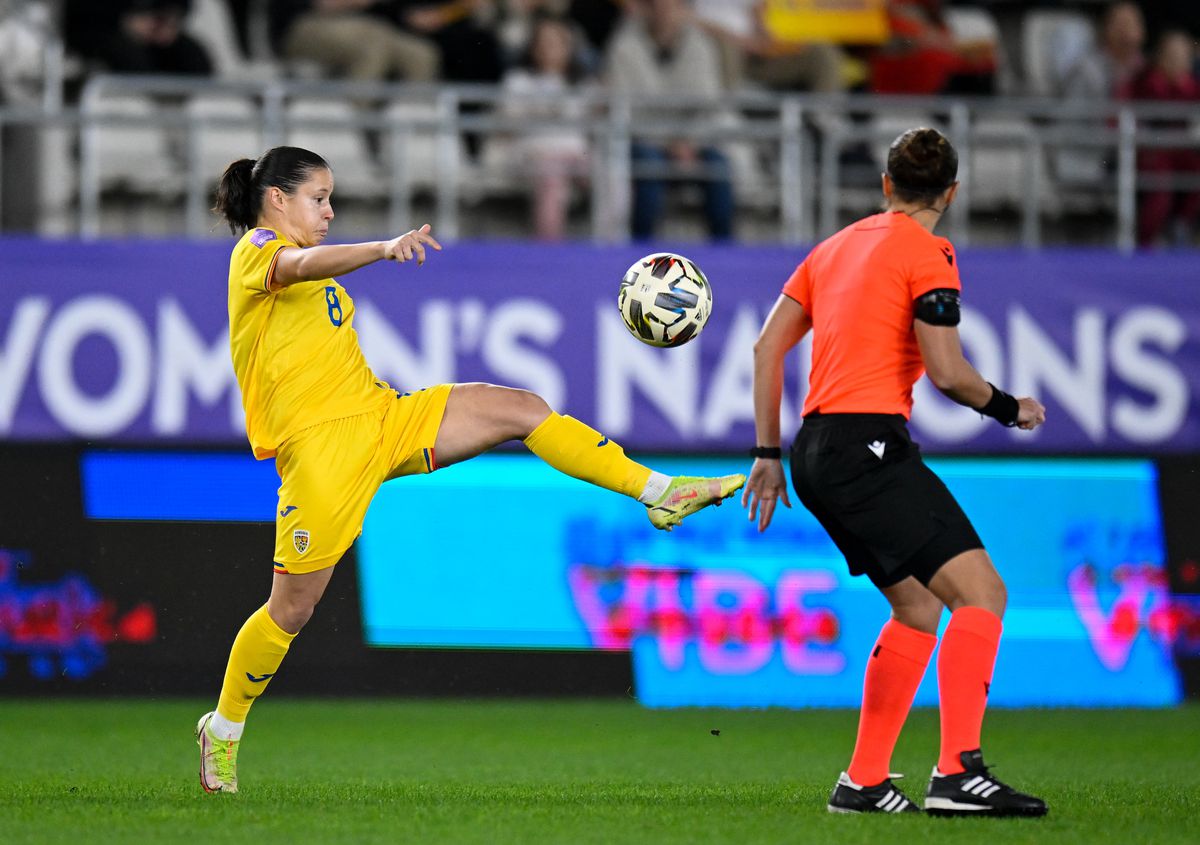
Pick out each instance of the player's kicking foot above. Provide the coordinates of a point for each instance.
(686, 495)
(976, 793)
(218, 759)
(883, 797)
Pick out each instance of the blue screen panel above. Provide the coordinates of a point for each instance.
(178, 486)
(504, 552)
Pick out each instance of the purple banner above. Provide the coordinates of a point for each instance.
(127, 341)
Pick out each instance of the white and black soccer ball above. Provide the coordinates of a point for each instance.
(664, 299)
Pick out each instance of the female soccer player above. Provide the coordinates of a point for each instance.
(882, 300)
(337, 432)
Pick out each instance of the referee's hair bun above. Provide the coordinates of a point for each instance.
(927, 145)
(922, 163)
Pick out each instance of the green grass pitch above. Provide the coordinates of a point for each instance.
(359, 771)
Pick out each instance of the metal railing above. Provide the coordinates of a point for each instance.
(799, 145)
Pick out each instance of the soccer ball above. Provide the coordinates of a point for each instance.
(664, 299)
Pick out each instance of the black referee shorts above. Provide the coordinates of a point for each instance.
(862, 477)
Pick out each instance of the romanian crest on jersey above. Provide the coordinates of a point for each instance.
(300, 540)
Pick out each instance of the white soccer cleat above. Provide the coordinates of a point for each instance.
(218, 759)
(686, 495)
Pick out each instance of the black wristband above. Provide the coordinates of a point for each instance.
(772, 452)
(1002, 407)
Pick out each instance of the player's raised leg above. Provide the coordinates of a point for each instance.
(258, 650)
(481, 416)
(961, 785)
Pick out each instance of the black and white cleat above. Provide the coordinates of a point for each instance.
(850, 797)
(975, 792)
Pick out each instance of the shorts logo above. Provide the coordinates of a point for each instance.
(300, 540)
(877, 448)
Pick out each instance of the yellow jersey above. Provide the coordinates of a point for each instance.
(295, 351)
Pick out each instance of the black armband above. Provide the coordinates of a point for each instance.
(1002, 407)
(939, 307)
(772, 452)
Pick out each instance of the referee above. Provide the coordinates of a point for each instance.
(882, 299)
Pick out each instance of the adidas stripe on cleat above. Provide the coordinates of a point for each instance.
(684, 496)
(850, 797)
(975, 792)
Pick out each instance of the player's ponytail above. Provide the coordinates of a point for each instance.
(922, 164)
(237, 201)
(242, 186)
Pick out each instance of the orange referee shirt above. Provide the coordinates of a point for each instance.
(858, 287)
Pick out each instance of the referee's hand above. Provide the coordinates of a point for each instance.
(766, 486)
(1030, 413)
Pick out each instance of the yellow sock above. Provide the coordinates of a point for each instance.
(584, 453)
(257, 651)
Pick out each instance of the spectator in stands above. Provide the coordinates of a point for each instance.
(135, 36)
(515, 24)
(23, 32)
(351, 38)
(1108, 71)
(1169, 78)
(597, 19)
(923, 56)
(750, 53)
(1103, 71)
(1162, 15)
(242, 12)
(470, 50)
(515, 21)
(541, 88)
(658, 51)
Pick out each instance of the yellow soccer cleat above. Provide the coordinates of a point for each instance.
(686, 495)
(218, 759)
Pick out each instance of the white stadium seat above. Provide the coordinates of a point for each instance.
(211, 23)
(132, 155)
(976, 25)
(999, 158)
(422, 146)
(218, 141)
(327, 127)
(1052, 42)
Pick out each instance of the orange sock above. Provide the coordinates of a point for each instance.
(894, 672)
(965, 664)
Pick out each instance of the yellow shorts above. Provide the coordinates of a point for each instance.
(330, 472)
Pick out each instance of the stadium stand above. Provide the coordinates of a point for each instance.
(1043, 167)
(131, 151)
(217, 140)
(1052, 41)
(211, 22)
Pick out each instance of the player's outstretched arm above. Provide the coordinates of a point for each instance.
(953, 375)
(322, 262)
(786, 325)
